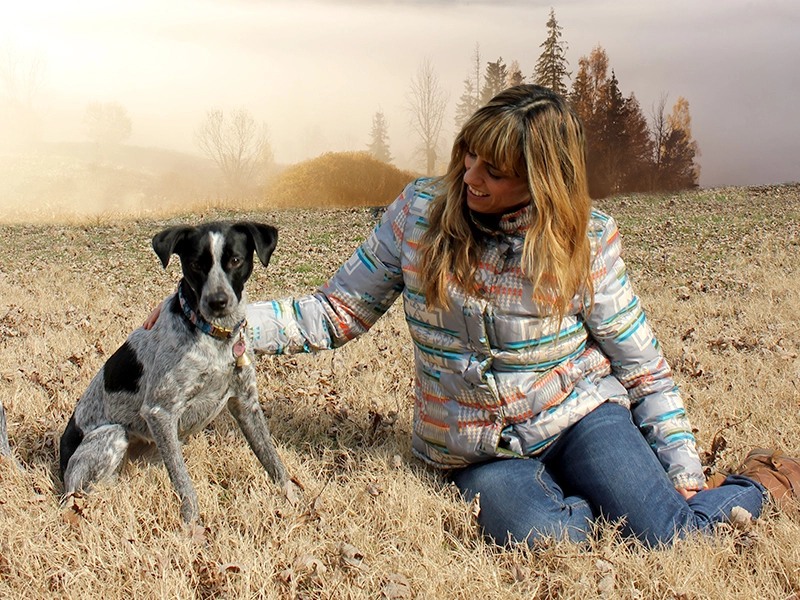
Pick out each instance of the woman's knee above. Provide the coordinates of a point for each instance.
(520, 502)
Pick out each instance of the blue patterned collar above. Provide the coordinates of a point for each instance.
(221, 333)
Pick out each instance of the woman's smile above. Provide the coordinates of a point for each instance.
(489, 190)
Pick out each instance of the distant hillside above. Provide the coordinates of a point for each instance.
(68, 181)
(152, 160)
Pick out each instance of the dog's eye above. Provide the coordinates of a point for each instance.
(195, 266)
(235, 262)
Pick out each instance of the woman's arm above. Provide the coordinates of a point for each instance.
(348, 304)
(617, 322)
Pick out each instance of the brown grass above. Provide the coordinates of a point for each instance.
(718, 274)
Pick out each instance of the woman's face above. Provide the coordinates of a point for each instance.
(490, 191)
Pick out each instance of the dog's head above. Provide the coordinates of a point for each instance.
(217, 260)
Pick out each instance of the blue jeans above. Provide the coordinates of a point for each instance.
(602, 465)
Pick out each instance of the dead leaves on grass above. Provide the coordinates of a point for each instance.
(75, 510)
(309, 571)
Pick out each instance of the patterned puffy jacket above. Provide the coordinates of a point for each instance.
(495, 377)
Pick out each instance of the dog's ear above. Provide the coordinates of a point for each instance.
(165, 243)
(265, 238)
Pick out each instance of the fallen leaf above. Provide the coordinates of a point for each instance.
(350, 555)
(286, 575)
(74, 509)
(520, 572)
(231, 568)
(197, 533)
(475, 506)
(308, 563)
(397, 586)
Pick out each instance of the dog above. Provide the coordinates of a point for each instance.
(164, 384)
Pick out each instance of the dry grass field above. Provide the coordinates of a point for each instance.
(719, 274)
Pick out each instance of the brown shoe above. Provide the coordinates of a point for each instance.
(779, 473)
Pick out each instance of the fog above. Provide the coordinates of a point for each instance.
(316, 72)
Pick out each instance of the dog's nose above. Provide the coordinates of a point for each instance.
(218, 302)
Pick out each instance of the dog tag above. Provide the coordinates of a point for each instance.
(239, 352)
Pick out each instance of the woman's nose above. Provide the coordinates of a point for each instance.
(471, 174)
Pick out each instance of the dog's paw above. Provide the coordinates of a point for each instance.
(196, 532)
(291, 492)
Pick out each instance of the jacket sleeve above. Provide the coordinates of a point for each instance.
(347, 305)
(617, 322)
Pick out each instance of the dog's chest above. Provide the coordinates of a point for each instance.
(208, 385)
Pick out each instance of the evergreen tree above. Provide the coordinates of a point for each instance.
(551, 68)
(470, 100)
(613, 137)
(379, 146)
(677, 152)
(678, 170)
(639, 145)
(467, 104)
(494, 81)
(514, 75)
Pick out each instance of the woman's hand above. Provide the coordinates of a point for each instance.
(152, 317)
(689, 493)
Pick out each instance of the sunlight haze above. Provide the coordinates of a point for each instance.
(316, 72)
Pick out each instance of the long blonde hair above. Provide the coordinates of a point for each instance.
(531, 132)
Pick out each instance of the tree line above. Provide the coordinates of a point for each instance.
(626, 152)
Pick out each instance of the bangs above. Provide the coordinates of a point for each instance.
(497, 141)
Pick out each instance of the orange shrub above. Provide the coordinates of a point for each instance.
(338, 179)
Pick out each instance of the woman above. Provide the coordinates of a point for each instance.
(539, 383)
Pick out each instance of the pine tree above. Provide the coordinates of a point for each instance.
(678, 170)
(494, 81)
(639, 148)
(551, 68)
(470, 100)
(613, 140)
(467, 104)
(514, 75)
(379, 146)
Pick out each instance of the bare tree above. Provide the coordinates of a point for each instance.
(237, 144)
(21, 78)
(427, 101)
(659, 132)
(106, 123)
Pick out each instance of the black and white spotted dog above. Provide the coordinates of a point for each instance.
(169, 382)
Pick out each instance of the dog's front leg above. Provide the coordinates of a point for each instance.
(164, 428)
(245, 408)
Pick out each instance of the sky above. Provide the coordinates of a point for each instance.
(317, 71)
